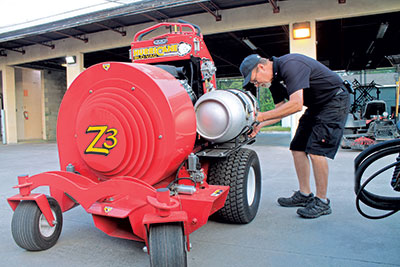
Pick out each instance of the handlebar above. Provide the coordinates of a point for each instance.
(139, 36)
(194, 25)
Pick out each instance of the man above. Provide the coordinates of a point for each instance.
(297, 80)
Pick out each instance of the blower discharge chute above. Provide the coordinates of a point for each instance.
(150, 149)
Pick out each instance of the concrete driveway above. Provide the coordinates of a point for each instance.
(277, 236)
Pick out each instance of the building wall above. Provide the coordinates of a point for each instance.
(235, 19)
(55, 86)
(232, 20)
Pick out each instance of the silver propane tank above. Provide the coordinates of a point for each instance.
(224, 114)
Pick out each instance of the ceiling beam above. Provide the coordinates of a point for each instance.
(275, 6)
(214, 13)
(238, 39)
(162, 15)
(285, 28)
(123, 33)
(224, 60)
(18, 50)
(258, 49)
(48, 44)
(151, 17)
(85, 40)
(214, 5)
(117, 22)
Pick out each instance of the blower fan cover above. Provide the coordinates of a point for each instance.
(125, 119)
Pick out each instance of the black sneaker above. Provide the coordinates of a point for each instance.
(314, 209)
(297, 200)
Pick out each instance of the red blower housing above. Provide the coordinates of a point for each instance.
(125, 119)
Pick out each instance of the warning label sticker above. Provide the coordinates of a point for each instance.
(217, 193)
(107, 209)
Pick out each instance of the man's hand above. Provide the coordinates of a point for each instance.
(256, 128)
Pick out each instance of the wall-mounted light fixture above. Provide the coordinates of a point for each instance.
(301, 30)
(70, 60)
(249, 43)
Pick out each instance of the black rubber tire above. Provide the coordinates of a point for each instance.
(234, 171)
(167, 245)
(25, 226)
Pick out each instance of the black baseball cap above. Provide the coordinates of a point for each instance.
(247, 66)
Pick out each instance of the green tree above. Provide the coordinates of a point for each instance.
(265, 99)
(230, 83)
(264, 95)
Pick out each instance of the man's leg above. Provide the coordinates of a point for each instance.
(302, 166)
(298, 145)
(303, 196)
(321, 171)
(318, 207)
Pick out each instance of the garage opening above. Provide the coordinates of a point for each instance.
(358, 48)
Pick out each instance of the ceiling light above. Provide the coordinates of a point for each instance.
(382, 30)
(301, 30)
(70, 59)
(249, 43)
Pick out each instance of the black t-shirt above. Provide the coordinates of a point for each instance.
(293, 72)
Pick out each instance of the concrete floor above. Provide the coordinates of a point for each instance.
(277, 236)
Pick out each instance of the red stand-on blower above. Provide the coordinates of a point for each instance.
(150, 149)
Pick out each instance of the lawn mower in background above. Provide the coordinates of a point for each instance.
(368, 122)
(151, 149)
(381, 160)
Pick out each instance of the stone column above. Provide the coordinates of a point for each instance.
(306, 47)
(73, 70)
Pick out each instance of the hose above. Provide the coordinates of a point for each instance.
(361, 163)
(182, 178)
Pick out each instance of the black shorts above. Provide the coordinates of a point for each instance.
(320, 129)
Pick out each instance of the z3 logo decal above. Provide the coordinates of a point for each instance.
(110, 142)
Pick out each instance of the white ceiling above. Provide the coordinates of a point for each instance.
(27, 13)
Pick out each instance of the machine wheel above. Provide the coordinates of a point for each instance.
(241, 171)
(167, 245)
(30, 228)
